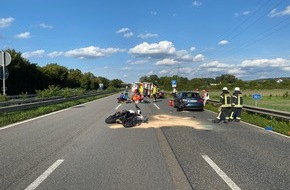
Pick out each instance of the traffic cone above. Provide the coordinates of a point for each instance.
(170, 103)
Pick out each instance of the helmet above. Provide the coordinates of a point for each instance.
(225, 88)
(237, 89)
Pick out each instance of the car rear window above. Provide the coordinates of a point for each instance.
(190, 95)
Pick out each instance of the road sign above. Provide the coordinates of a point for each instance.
(256, 96)
(6, 73)
(173, 83)
(5, 58)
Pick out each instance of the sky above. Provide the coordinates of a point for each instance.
(128, 39)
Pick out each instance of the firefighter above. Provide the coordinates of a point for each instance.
(224, 109)
(237, 105)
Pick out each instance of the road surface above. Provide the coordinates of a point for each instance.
(76, 149)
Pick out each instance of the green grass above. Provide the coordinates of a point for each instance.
(271, 99)
(13, 117)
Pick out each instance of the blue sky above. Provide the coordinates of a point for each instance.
(131, 38)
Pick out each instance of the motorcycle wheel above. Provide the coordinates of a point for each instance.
(111, 119)
(129, 122)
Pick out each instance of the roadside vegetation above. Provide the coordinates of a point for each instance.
(13, 117)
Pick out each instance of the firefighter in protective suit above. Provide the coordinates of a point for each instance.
(225, 108)
(237, 105)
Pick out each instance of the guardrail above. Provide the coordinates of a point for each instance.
(264, 111)
(11, 106)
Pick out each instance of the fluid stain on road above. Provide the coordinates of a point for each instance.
(158, 121)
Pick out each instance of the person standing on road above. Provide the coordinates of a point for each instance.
(224, 109)
(154, 92)
(237, 105)
(205, 96)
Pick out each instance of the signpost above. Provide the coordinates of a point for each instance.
(5, 60)
(256, 97)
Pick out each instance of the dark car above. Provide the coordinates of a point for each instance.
(187, 100)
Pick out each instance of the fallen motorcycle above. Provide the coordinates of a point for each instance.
(128, 118)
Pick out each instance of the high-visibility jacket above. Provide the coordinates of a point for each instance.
(237, 99)
(225, 99)
(154, 90)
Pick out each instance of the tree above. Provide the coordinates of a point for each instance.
(56, 74)
(104, 81)
(226, 79)
(23, 76)
(116, 83)
(74, 78)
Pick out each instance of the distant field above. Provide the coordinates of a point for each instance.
(271, 99)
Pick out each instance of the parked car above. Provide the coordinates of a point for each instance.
(187, 100)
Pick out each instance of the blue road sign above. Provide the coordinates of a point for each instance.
(256, 96)
(173, 83)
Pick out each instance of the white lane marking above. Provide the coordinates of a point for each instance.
(156, 106)
(224, 176)
(42, 116)
(118, 106)
(43, 176)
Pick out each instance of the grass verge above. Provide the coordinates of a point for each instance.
(13, 117)
(278, 125)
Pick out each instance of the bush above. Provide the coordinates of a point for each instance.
(50, 92)
(286, 95)
(3, 98)
(24, 95)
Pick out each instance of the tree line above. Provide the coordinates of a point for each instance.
(26, 77)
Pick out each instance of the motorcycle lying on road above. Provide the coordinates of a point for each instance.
(128, 118)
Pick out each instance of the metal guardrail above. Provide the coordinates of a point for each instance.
(34, 103)
(264, 111)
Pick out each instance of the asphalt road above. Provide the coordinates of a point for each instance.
(76, 149)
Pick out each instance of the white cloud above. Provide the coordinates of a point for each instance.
(92, 52)
(37, 54)
(6, 22)
(199, 58)
(192, 48)
(153, 50)
(147, 35)
(163, 71)
(196, 3)
(46, 26)
(223, 42)
(24, 35)
(137, 62)
(150, 73)
(245, 13)
(126, 32)
(55, 54)
(167, 62)
(126, 68)
(278, 62)
(128, 35)
(275, 13)
(216, 64)
(123, 30)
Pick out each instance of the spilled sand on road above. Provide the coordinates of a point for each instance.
(158, 121)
